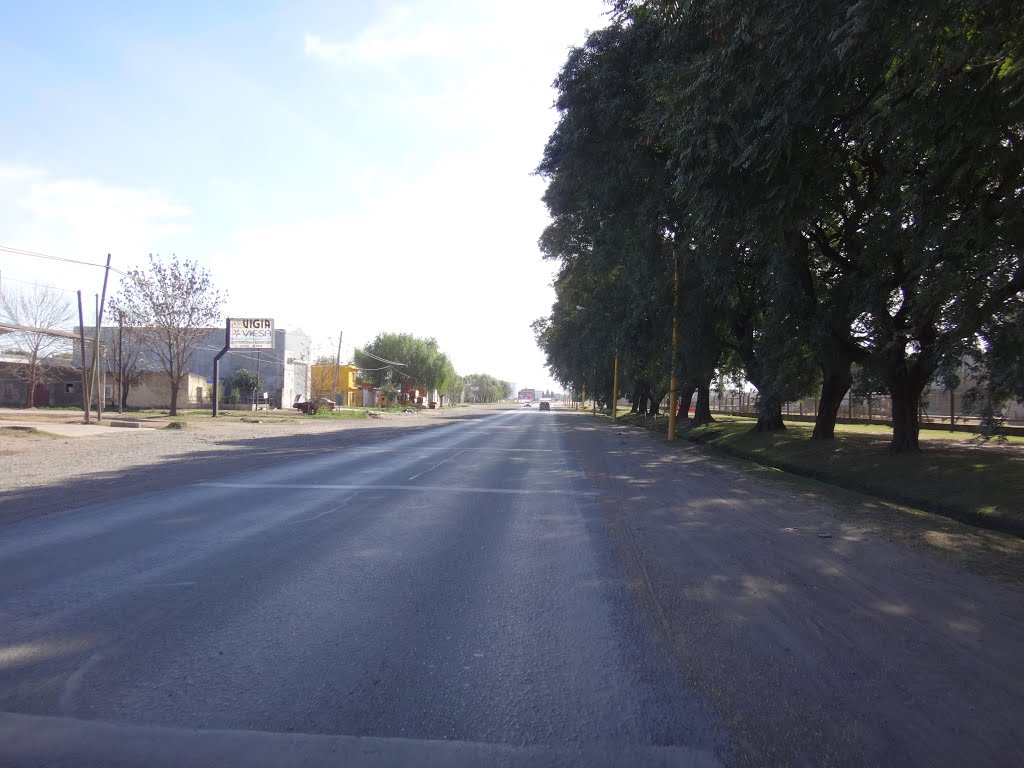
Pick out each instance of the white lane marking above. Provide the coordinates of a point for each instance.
(171, 584)
(437, 465)
(432, 488)
(74, 681)
(333, 509)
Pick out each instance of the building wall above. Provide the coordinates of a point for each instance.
(322, 380)
(154, 391)
(59, 385)
(284, 369)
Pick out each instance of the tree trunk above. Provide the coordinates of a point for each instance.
(125, 386)
(906, 399)
(769, 416)
(834, 386)
(634, 400)
(174, 397)
(770, 422)
(685, 398)
(702, 411)
(33, 379)
(655, 403)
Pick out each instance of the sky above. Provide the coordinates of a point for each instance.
(340, 166)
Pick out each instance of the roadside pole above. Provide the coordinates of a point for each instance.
(615, 389)
(337, 365)
(673, 383)
(86, 408)
(99, 383)
(216, 367)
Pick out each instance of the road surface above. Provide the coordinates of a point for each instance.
(526, 588)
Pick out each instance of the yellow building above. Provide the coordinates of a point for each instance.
(321, 384)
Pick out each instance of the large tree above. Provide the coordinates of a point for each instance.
(35, 312)
(850, 185)
(403, 359)
(172, 306)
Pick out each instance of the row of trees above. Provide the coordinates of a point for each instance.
(834, 188)
(399, 359)
(162, 311)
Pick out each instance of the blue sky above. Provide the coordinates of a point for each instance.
(339, 166)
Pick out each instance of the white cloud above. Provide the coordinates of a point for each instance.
(449, 254)
(318, 49)
(80, 219)
(402, 34)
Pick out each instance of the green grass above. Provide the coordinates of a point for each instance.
(979, 484)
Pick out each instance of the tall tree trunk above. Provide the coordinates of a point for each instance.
(906, 392)
(174, 397)
(655, 402)
(33, 379)
(702, 411)
(769, 414)
(834, 386)
(769, 418)
(125, 386)
(685, 398)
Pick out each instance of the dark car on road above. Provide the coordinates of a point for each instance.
(545, 405)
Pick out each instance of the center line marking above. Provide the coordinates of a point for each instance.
(419, 488)
(437, 465)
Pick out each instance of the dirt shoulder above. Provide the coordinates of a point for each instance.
(821, 627)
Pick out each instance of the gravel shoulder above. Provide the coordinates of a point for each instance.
(814, 635)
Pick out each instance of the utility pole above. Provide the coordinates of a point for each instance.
(96, 352)
(337, 365)
(120, 361)
(615, 389)
(673, 382)
(85, 378)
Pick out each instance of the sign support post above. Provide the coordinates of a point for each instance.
(242, 333)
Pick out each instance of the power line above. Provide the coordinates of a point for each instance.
(37, 255)
(380, 359)
(7, 279)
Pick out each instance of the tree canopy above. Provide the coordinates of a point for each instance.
(836, 186)
(172, 306)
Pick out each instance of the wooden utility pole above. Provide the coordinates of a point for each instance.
(85, 378)
(100, 301)
(337, 365)
(615, 389)
(673, 380)
(120, 361)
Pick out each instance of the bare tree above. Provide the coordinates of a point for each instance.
(35, 312)
(172, 307)
(128, 358)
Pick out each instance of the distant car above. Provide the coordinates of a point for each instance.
(527, 404)
(545, 405)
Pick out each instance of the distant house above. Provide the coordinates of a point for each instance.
(337, 383)
(60, 383)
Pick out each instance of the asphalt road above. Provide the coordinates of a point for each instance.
(524, 588)
(451, 596)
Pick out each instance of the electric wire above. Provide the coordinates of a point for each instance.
(38, 255)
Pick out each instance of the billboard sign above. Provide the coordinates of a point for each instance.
(250, 333)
